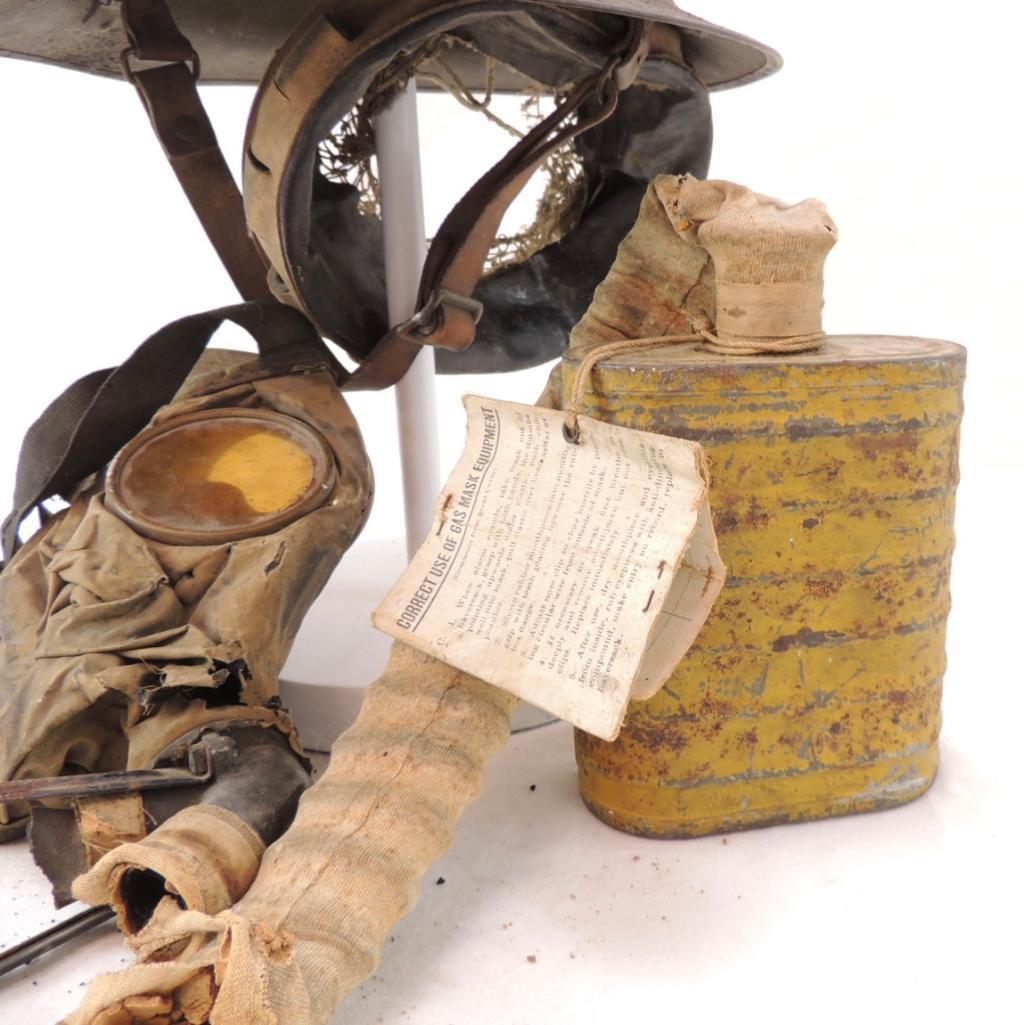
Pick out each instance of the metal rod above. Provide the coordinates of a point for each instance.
(98, 784)
(405, 249)
(54, 937)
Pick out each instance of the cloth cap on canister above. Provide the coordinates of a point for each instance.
(768, 257)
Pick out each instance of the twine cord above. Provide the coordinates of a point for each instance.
(711, 343)
(571, 427)
(737, 346)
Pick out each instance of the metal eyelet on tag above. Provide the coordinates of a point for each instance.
(220, 475)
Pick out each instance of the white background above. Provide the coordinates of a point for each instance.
(905, 119)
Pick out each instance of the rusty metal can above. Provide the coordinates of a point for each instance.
(814, 688)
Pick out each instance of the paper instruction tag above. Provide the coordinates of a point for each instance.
(575, 576)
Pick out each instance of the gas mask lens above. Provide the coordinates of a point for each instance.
(220, 475)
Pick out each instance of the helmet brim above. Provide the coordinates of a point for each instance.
(236, 42)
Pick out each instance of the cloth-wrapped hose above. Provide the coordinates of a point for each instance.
(314, 922)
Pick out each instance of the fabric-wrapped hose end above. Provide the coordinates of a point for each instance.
(312, 925)
(203, 858)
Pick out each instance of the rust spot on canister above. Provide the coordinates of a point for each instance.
(814, 688)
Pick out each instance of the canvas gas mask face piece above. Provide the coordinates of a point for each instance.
(151, 618)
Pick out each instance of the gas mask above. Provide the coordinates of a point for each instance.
(145, 625)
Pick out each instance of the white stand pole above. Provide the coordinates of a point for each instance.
(335, 632)
(405, 248)
(322, 709)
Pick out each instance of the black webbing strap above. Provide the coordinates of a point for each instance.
(85, 427)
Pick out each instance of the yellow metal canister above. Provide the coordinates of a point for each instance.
(814, 688)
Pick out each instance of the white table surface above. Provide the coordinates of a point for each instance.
(910, 914)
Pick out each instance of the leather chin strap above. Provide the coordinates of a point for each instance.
(447, 315)
(171, 99)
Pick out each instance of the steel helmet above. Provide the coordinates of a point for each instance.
(630, 80)
(237, 41)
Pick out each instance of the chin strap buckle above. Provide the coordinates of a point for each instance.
(636, 50)
(426, 322)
